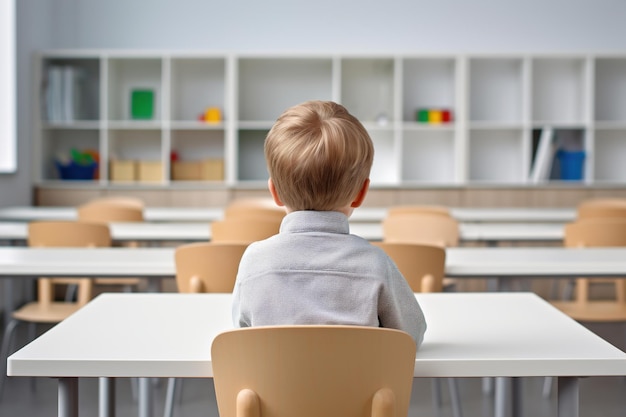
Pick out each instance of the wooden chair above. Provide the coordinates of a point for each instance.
(118, 199)
(46, 310)
(244, 230)
(200, 268)
(423, 266)
(420, 209)
(430, 229)
(254, 210)
(594, 232)
(114, 209)
(313, 371)
(601, 207)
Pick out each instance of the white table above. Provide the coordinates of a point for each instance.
(149, 232)
(362, 214)
(170, 335)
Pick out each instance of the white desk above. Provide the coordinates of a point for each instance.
(491, 233)
(169, 335)
(362, 214)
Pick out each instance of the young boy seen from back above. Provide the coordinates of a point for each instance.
(314, 271)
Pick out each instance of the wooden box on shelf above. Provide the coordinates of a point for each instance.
(149, 171)
(204, 170)
(123, 170)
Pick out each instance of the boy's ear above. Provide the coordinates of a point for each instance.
(361, 195)
(270, 185)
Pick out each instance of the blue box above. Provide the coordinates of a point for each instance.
(571, 164)
(74, 171)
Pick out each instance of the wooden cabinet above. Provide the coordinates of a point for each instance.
(494, 109)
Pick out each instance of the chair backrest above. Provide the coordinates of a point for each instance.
(67, 234)
(597, 208)
(313, 371)
(118, 199)
(244, 230)
(430, 229)
(423, 266)
(207, 266)
(254, 208)
(108, 211)
(419, 209)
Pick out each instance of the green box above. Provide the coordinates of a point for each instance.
(142, 104)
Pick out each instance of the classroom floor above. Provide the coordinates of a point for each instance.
(599, 396)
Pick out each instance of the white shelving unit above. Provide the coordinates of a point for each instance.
(499, 105)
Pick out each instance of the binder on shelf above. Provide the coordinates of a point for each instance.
(62, 93)
(543, 156)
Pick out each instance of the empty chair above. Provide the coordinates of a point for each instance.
(423, 266)
(420, 209)
(601, 207)
(46, 309)
(118, 199)
(313, 371)
(433, 229)
(203, 267)
(109, 212)
(114, 210)
(244, 230)
(245, 211)
(584, 307)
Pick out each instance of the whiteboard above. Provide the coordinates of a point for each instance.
(8, 136)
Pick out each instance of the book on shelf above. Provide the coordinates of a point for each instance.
(544, 156)
(62, 93)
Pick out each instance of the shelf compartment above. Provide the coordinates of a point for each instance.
(610, 155)
(128, 74)
(251, 160)
(267, 87)
(384, 168)
(70, 89)
(198, 154)
(610, 90)
(60, 142)
(197, 84)
(496, 156)
(558, 90)
(428, 156)
(428, 83)
(496, 88)
(367, 88)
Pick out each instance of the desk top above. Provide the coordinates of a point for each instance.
(170, 335)
(362, 214)
(462, 262)
(194, 232)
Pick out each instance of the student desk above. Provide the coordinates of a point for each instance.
(148, 232)
(361, 214)
(170, 335)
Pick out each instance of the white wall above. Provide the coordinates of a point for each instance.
(452, 26)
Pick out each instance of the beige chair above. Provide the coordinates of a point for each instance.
(203, 267)
(46, 309)
(420, 209)
(313, 371)
(424, 228)
(610, 306)
(118, 199)
(601, 207)
(241, 210)
(423, 266)
(244, 230)
(108, 210)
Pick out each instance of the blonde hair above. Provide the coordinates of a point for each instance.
(318, 156)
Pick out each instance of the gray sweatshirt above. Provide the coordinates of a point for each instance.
(315, 272)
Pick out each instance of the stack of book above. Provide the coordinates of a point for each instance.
(62, 93)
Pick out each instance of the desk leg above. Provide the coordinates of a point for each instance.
(106, 404)
(145, 398)
(154, 285)
(568, 396)
(517, 399)
(68, 397)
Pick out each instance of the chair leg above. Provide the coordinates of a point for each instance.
(7, 338)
